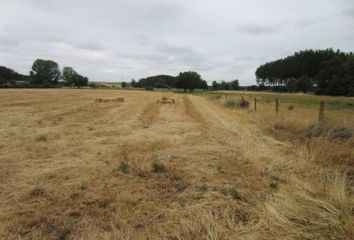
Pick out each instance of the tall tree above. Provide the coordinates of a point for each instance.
(188, 80)
(45, 72)
(319, 68)
(69, 75)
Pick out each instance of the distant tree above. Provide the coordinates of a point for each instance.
(69, 75)
(291, 85)
(304, 84)
(9, 76)
(188, 80)
(80, 81)
(326, 72)
(223, 85)
(165, 81)
(45, 72)
(215, 85)
(203, 85)
(133, 83)
(124, 85)
(234, 85)
(72, 78)
(160, 83)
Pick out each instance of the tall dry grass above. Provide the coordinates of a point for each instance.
(320, 176)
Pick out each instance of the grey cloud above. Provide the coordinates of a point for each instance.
(257, 29)
(114, 40)
(348, 12)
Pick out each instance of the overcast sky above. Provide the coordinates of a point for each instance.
(115, 40)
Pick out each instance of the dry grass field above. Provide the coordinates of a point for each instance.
(74, 168)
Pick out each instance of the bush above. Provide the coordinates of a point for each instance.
(334, 134)
(124, 167)
(37, 191)
(243, 104)
(203, 188)
(42, 138)
(232, 192)
(158, 167)
(290, 107)
(230, 103)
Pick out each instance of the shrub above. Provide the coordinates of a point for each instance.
(158, 167)
(124, 167)
(339, 134)
(177, 177)
(42, 138)
(290, 107)
(232, 192)
(220, 169)
(64, 234)
(203, 188)
(37, 191)
(243, 104)
(274, 184)
(230, 103)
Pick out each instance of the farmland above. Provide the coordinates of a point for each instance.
(200, 168)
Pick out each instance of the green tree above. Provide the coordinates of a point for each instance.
(80, 81)
(45, 72)
(291, 85)
(304, 84)
(133, 83)
(72, 78)
(9, 76)
(215, 85)
(203, 85)
(124, 85)
(235, 85)
(69, 75)
(188, 80)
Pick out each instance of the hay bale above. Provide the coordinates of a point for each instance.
(166, 100)
(118, 100)
(109, 100)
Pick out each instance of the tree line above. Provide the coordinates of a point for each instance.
(232, 85)
(185, 80)
(44, 73)
(322, 71)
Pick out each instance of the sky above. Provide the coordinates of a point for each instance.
(117, 40)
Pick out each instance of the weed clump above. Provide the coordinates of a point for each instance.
(203, 188)
(158, 167)
(124, 167)
(37, 191)
(64, 234)
(291, 107)
(177, 177)
(334, 134)
(243, 104)
(220, 169)
(274, 184)
(42, 138)
(230, 103)
(233, 192)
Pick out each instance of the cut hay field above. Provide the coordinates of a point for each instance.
(72, 167)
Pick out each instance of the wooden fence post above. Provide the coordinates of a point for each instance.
(277, 105)
(241, 98)
(320, 115)
(255, 104)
